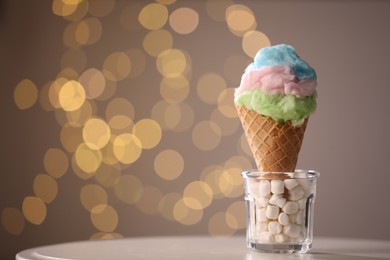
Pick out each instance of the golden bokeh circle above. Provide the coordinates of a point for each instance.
(157, 41)
(71, 96)
(148, 133)
(119, 106)
(153, 16)
(25, 94)
(96, 133)
(226, 105)
(56, 162)
(117, 66)
(45, 187)
(129, 189)
(88, 31)
(235, 215)
(70, 136)
(206, 135)
(34, 210)
(93, 82)
(13, 221)
(186, 215)
(209, 86)
(172, 62)
(104, 218)
(148, 203)
(197, 195)
(108, 175)
(92, 195)
(167, 205)
(127, 148)
(174, 89)
(87, 159)
(169, 164)
(184, 20)
(240, 19)
(253, 41)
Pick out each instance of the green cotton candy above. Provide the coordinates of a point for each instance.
(279, 107)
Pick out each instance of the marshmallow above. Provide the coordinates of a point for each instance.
(274, 227)
(305, 184)
(302, 203)
(280, 238)
(296, 193)
(290, 184)
(290, 207)
(261, 214)
(299, 217)
(283, 219)
(262, 201)
(277, 200)
(272, 212)
(261, 227)
(292, 230)
(264, 188)
(277, 186)
(266, 237)
(254, 189)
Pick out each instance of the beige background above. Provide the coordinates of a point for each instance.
(346, 140)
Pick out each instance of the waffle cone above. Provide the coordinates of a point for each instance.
(275, 146)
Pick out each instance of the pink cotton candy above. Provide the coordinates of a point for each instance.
(276, 80)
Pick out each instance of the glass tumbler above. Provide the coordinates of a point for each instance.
(279, 210)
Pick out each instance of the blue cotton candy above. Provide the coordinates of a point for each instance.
(284, 55)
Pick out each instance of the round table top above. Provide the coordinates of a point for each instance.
(202, 247)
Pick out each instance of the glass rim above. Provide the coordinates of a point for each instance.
(297, 174)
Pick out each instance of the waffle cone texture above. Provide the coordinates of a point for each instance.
(275, 146)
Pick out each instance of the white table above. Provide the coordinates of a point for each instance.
(202, 247)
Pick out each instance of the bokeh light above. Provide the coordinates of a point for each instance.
(206, 135)
(96, 133)
(174, 89)
(153, 16)
(184, 20)
(157, 41)
(186, 215)
(88, 31)
(127, 148)
(117, 66)
(171, 62)
(129, 189)
(167, 205)
(45, 187)
(169, 164)
(56, 162)
(13, 221)
(209, 87)
(197, 195)
(104, 218)
(253, 41)
(87, 159)
(148, 202)
(25, 94)
(92, 195)
(71, 96)
(34, 210)
(240, 19)
(148, 133)
(93, 82)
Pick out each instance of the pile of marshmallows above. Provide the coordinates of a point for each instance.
(280, 210)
